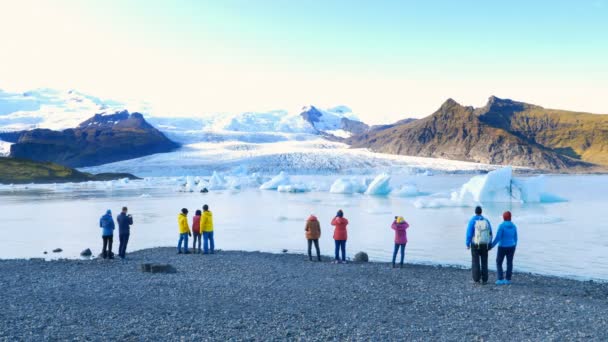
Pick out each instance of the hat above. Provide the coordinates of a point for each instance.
(506, 216)
(340, 213)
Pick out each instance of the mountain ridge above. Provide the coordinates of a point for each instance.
(488, 134)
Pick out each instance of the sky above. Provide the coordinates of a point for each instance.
(385, 59)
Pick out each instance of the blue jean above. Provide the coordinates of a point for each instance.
(182, 238)
(208, 240)
(503, 252)
(397, 247)
(340, 245)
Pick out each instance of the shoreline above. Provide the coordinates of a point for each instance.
(264, 296)
(491, 270)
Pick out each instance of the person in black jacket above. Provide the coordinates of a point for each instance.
(124, 230)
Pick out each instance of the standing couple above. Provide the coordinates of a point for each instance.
(479, 241)
(106, 223)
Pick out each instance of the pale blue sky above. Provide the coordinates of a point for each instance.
(385, 59)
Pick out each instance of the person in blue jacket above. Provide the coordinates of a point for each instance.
(125, 221)
(479, 240)
(506, 239)
(106, 222)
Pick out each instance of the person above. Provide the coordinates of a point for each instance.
(184, 231)
(196, 231)
(506, 239)
(106, 222)
(207, 229)
(479, 240)
(340, 235)
(124, 231)
(400, 227)
(313, 233)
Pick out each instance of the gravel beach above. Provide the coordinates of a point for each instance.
(261, 296)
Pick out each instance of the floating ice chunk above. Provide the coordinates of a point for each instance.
(293, 188)
(494, 186)
(407, 190)
(216, 182)
(379, 186)
(280, 179)
(347, 186)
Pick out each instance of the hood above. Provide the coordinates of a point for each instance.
(340, 219)
(312, 218)
(508, 224)
(207, 213)
(400, 220)
(109, 212)
(182, 214)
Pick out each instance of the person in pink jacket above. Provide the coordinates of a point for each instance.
(400, 227)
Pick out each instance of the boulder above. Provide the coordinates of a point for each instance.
(361, 257)
(157, 268)
(86, 253)
(57, 250)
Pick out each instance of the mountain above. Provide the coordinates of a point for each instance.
(98, 140)
(503, 132)
(336, 122)
(21, 171)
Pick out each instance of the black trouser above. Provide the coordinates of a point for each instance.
(316, 241)
(122, 247)
(503, 252)
(196, 238)
(107, 246)
(479, 253)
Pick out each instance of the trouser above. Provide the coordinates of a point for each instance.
(208, 243)
(182, 238)
(503, 252)
(340, 245)
(122, 247)
(196, 238)
(316, 242)
(397, 247)
(107, 246)
(479, 264)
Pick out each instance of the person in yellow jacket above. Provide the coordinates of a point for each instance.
(184, 231)
(207, 230)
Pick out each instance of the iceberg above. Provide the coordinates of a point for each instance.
(379, 186)
(216, 182)
(407, 190)
(280, 179)
(347, 186)
(293, 188)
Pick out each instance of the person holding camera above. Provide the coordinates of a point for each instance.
(125, 221)
(400, 227)
(340, 236)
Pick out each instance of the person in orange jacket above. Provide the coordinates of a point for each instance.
(313, 233)
(340, 235)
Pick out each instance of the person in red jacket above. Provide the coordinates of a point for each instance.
(400, 227)
(196, 232)
(340, 235)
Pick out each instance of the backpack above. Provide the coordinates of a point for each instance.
(482, 232)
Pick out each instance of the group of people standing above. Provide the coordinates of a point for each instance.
(202, 224)
(340, 223)
(479, 239)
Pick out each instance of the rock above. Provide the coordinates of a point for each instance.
(45, 252)
(361, 257)
(204, 190)
(285, 251)
(157, 268)
(57, 250)
(86, 253)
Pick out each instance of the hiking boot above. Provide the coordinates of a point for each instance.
(500, 282)
(507, 282)
(186, 252)
(484, 282)
(179, 252)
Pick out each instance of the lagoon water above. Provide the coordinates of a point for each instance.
(565, 238)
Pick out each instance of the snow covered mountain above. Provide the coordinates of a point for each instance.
(305, 141)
